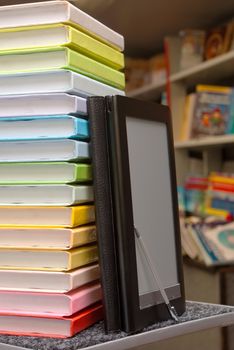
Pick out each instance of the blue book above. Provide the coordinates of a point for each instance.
(43, 127)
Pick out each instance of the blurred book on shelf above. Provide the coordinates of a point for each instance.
(208, 112)
(206, 207)
(140, 72)
(219, 40)
(192, 47)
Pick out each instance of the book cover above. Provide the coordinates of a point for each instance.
(46, 216)
(41, 105)
(212, 114)
(50, 326)
(218, 40)
(55, 304)
(47, 237)
(45, 195)
(221, 240)
(54, 81)
(47, 260)
(48, 282)
(43, 127)
(46, 151)
(45, 59)
(52, 35)
(48, 12)
(44, 173)
(104, 212)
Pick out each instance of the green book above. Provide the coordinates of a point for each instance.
(46, 59)
(44, 173)
(36, 37)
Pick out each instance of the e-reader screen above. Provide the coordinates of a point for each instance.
(152, 208)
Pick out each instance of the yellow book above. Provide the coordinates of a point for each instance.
(56, 58)
(221, 179)
(47, 260)
(46, 216)
(46, 237)
(213, 88)
(36, 37)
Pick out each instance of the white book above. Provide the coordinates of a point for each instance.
(49, 282)
(54, 81)
(48, 150)
(45, 195)
(53, 12)
(41, 104)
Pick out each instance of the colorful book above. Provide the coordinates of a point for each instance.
(50, 326)
(213, 111)
(47, 216)
(47, 281)
(44, 173)
(47, 237)
(41, 105)
(47, 260)
(54, 81)
(37, 303)
(45, 59)
(24, 38)
(46, 151)
(218, 40)
(53, 127)
(45, 195)
(48, 12)
(221, 240)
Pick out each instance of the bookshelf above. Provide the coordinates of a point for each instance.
(218, 70)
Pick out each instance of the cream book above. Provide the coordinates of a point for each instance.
(47, 237)
(52, 12)
(45, 195)
(47, 281)
(60, 35)
(48, 260)
(54, 81)
(46, 216)
(41, 105)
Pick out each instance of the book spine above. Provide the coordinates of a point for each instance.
(104, 211)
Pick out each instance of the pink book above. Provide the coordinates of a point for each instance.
(38, 304)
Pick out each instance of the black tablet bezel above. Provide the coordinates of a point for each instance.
(118, 108)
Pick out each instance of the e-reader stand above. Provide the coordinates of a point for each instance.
(156, 276)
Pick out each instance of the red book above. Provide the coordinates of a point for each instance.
(50, 326)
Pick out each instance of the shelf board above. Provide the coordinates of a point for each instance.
(211, 71)
(215, 141)
(150, 91)
(199, 316)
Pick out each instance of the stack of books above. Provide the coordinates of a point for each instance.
(52, 56)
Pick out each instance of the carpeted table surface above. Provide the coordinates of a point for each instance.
(96, 335)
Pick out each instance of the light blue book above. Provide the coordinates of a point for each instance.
(43, 127)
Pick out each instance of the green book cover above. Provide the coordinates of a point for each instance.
(44, 173)
(24, 38)
(46, 59)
